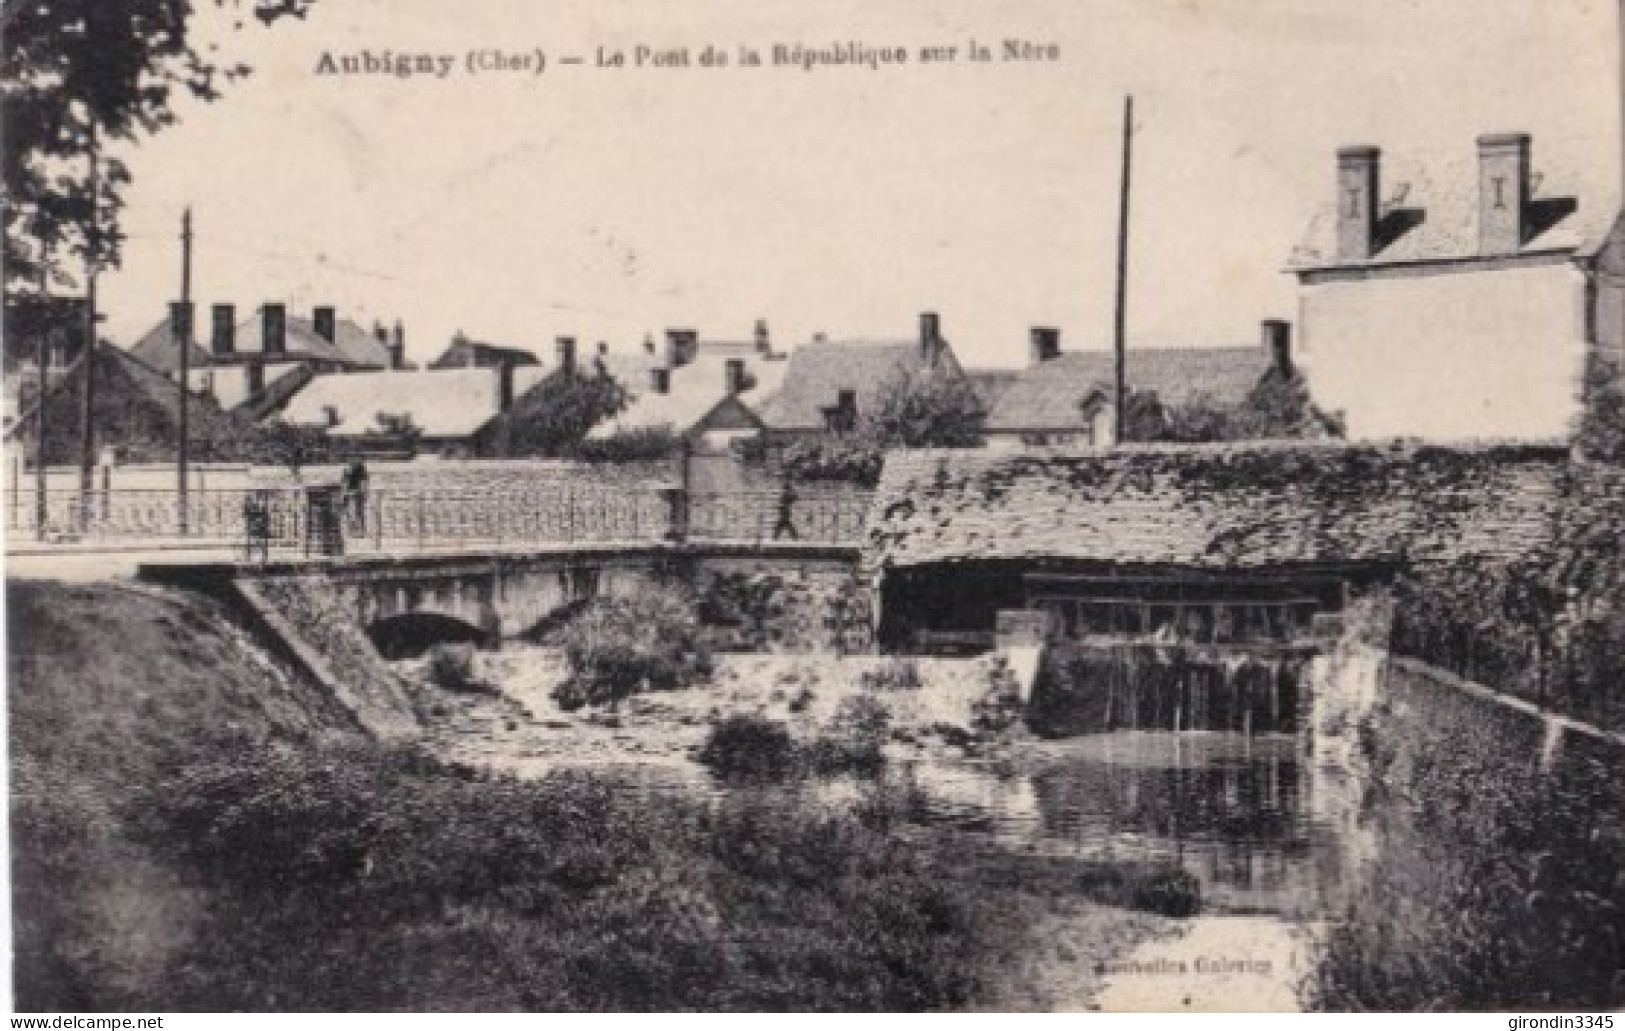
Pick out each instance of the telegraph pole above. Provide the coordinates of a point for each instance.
(87, 357)
(1120, 334)
(42, 359)
(182, 331)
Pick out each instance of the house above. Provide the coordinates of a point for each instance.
(243, 359)
(135, 411)
(702, 389)
(1066, 398)
(832, 386)
(1459, 296)
(440, 410)
(464, 353)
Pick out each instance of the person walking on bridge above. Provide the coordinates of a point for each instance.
(786, 523)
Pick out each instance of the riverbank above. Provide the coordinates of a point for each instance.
(238, 843)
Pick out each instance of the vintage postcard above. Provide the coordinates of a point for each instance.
(769, 506)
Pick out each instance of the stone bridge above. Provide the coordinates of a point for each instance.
(404, 603)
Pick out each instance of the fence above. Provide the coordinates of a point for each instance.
(325, 520)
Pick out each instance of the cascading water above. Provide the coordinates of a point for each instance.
(1110, 686)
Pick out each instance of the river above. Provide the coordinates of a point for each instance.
(1252, 816)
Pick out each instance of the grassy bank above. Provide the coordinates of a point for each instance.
(195, 828)
(109, 687)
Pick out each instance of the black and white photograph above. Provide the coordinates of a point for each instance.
(805, 506)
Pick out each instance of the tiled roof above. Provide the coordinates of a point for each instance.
(357, 344)
(463, 352)
(443, 403)
(137, 409)
(990, 384)
(156, 349)
(819, 371)
(1213, 506)
(1049, 396)
(301, 338)
(352, 345)
(1430, 207)
(696, 388)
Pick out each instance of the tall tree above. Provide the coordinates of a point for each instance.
(75, 70)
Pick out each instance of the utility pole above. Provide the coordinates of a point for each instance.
(42, 359)
(1120, 335)
(87, 356)
(182, 331)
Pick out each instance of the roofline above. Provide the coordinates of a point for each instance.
(1485, 262)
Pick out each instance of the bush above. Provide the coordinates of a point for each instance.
(452, 667)
(367, 881)
(835, 460)
(748, 747)
(618, 647)
(855, 740)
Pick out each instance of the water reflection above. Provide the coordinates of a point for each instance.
(1231, 809)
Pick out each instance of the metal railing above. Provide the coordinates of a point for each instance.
(324, 520)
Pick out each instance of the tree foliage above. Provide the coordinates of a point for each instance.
(1601, 435)
(1277, 408)
(927, 407)
(553, 417)
(76, 75)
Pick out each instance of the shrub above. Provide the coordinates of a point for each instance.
(750, 747)
(618, 647)
(855, 740)
(452, 667)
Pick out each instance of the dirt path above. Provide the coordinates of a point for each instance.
(1229, 964)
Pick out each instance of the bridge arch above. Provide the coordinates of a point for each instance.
(407, 635)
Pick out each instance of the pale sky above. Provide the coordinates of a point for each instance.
(604, 204)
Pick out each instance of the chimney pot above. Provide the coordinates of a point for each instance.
(735, 376)
(930, 333)
(764, 342)
(1359, 199)
(323, 319)
(1503, 192)
(274, 326)
(660, 380)
(1044, 345)
(565, 353)
(256, 376)
(1277, 341)
(224, 339)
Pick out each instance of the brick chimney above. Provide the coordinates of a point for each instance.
(564, 352)
(681, 347)
(734, 376)
(1276, 338)
(223, 339)
(930, 335)
(1359, 199)
(660, 380)
(274, 327)
(1044, 345)
(764, 343)
(504, 386)
(397, 347)
(323, 319)
(1503, 192)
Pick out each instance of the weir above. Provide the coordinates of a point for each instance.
(1100, 687)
